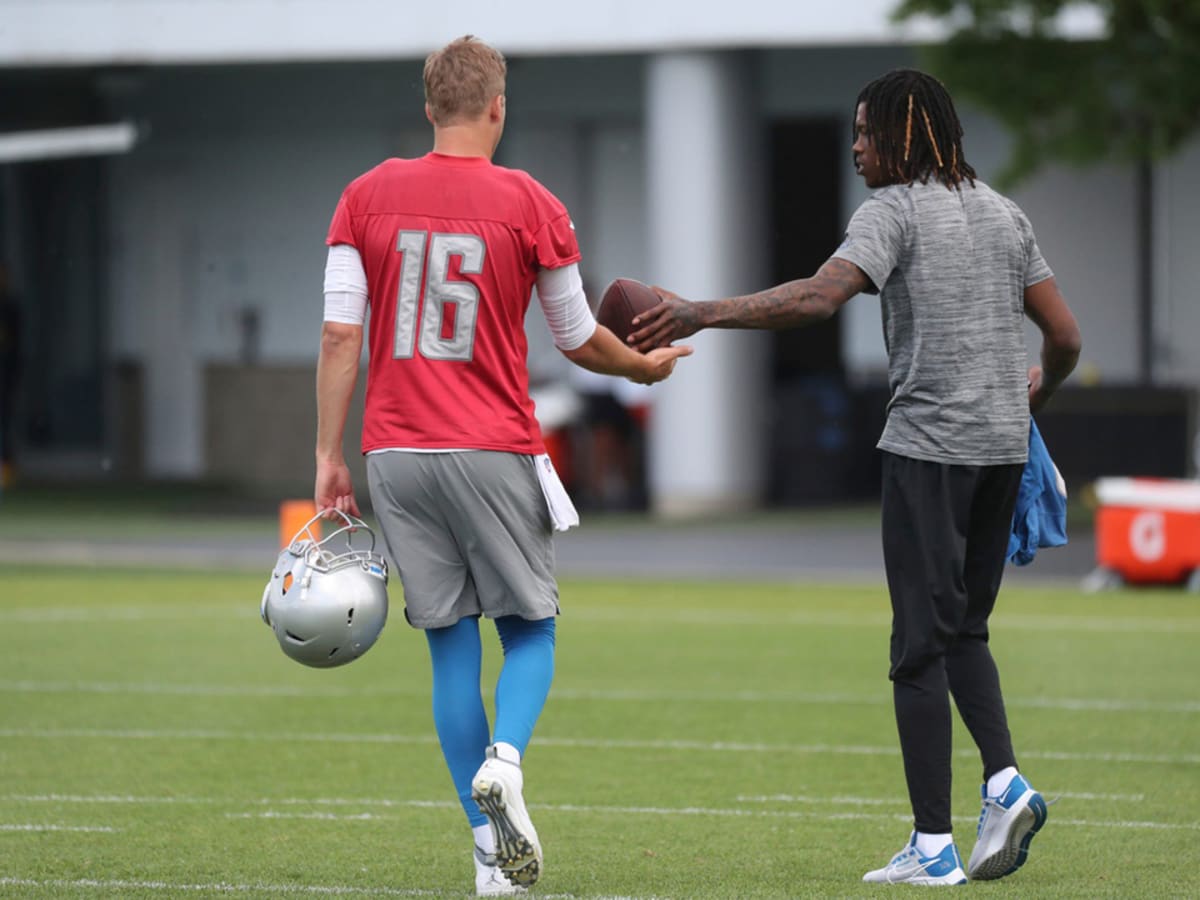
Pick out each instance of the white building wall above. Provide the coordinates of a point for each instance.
(61, 32)
(254, 158)
(706, 224)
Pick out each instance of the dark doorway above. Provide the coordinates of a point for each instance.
(806, 157)
(812, 421)
(53, 254)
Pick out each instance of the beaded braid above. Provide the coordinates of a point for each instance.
(891, 100)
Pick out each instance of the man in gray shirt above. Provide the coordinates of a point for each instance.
(957, 269)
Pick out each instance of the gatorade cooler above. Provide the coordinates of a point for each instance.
(1148, 529)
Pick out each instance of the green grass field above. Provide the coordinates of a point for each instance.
(702, 740)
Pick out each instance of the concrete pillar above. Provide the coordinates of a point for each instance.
(171, 378)
(706, 220)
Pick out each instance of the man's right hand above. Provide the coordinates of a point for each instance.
(334, 491)
(673, 318)
(660, 363)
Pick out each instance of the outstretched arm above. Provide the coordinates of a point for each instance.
(789, 305)
(1061, 340)
(588, 344)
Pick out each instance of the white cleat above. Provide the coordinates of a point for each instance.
(910, 867)
(496, 788)
(489, 880)
(1007, 824)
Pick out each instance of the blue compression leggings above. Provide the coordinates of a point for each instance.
(521, 691)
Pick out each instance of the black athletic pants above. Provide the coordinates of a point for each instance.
(945, 539)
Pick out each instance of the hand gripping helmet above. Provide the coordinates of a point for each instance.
(327, 599)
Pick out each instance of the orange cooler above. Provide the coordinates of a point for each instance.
(1148, 529)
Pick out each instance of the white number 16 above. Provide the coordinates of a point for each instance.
(442, 296)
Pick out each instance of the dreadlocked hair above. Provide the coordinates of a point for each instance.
(915, 130)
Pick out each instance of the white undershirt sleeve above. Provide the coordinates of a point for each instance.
(345, 286)
(560, 291)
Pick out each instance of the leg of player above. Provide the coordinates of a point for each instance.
(1013, 812)
(462, 728)
(923, 554)
(498, 786)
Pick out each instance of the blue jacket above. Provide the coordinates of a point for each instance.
(1040, 519)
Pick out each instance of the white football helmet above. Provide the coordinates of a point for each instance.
(327, 604)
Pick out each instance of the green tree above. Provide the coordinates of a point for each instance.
(1130, 95)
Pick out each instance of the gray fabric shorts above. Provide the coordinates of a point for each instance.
(468, 532)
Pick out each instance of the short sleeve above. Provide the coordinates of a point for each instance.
(555, 244)
(341, 229)
(553, 232)
(1036, 268)
(874, 240)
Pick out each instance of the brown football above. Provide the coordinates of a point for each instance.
(621, 301)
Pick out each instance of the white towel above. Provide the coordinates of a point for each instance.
(562, 511)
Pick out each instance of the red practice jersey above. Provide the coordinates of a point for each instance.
(451, 247)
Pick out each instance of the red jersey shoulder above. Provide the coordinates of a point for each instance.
(539, 200)
(552, 233)
(357, 199)
(366, 184)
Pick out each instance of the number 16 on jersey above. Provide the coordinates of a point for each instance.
(447, 303)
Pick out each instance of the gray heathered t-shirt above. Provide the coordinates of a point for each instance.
(951, 268)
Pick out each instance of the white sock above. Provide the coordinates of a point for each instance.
(483, 838)
(998, 782)
(508, 753)
(932, 844)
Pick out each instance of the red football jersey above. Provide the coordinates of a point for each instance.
(451, 246)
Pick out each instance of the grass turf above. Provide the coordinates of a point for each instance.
(701, 740)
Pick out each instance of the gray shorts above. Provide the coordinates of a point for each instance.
(468, 532)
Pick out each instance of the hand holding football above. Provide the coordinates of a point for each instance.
(623, 300)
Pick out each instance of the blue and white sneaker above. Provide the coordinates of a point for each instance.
(910, 867)
(1007, 824)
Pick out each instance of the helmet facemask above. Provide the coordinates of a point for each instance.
(326, 599)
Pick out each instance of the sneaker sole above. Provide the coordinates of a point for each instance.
(516, 856)
(1015, 851)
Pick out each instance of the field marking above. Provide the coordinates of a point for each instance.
(879, 801)
(1000, 621)
(587, 743)
(220, 887)
(38, 615)
(715, 812)
(719, 812)
(1066, 704)
(133, 799)
(6, 826)
(635, 615)
(225, 887)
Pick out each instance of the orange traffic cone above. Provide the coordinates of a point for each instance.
(294, 515)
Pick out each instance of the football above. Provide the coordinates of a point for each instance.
(622, 300)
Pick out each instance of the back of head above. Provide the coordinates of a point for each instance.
(913, 125)
(461, 79)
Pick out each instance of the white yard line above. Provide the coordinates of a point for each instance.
(589, 743)
(8, 826)
(225, 887)
(617, 614)
(219, 887)
(1068, 704)
(592, 809)
(878, 801)
(700, 811)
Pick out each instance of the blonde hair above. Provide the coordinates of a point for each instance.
(462, 78)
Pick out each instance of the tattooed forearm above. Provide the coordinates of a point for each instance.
(792, 304)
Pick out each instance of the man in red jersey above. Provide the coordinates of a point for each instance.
(444, 251)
